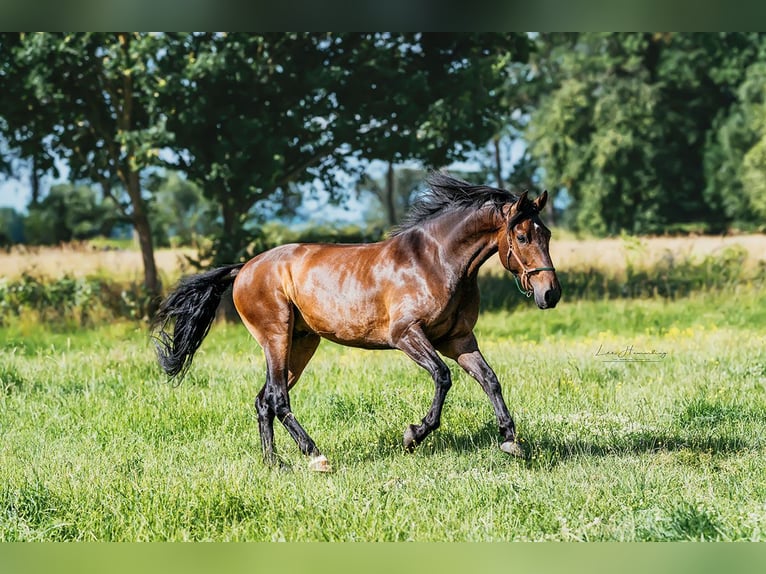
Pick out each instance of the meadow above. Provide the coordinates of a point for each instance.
(96, 445)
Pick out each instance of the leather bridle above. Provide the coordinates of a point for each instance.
(523, 286)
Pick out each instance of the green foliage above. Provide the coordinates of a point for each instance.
(626, 123)
(275, 234)
(69, 213)
(734, 155)
(11, 226)
(71, 302)
(672, 277)
(63, 300)
(98, 94)
(643, 132)
(23, 127)
(430, 97)
(391, 199)
(179, 213)
(254, 115)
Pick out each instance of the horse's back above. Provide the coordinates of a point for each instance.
(355, 294)
(335, 290)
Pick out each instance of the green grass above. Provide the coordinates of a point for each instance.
(97, 446)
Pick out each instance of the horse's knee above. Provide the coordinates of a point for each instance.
(442, 377)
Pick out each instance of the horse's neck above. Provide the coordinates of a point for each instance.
(469, 239)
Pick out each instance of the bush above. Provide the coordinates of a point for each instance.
(670, 278)
(71, 301)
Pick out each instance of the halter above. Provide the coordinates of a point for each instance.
(525, 271)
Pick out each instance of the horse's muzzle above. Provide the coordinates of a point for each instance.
(548, 298)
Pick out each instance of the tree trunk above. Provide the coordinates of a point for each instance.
(231, 230)
(140, 220)
(551, 210)
(498, 162)
(130, 179)
(35, 177)
(390, 202)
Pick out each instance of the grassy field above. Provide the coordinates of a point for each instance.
(97, 446)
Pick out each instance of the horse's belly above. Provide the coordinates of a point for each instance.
(351, 325)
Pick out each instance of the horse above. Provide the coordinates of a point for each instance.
(415, 291)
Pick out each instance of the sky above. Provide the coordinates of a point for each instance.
(14, 194)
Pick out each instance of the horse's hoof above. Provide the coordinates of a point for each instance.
(409, 439)
(320, 464)
(513, 448)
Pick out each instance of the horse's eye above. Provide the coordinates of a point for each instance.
(521, 238)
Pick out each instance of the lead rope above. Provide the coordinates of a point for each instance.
(527, 289)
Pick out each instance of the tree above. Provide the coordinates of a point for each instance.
(101, 116)
(255, 115)
(252, 115)
(735, 161)
(24, 127)
(623, 122)
(68, 213)
(393, 198)
(11, 227)
(179, 210)
(431, 98)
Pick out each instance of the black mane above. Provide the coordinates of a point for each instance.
(448, 194)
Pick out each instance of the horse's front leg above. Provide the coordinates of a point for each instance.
(417, 346)
(466, 352)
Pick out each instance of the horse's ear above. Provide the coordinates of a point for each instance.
(540, 202)
(518, 207)
(521, 203)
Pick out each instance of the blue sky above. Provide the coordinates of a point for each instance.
(14, 194)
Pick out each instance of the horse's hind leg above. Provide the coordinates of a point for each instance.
(274, 332)
(302, 349)
(265, 426)
(276, 394)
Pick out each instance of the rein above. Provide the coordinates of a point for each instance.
(525, 271)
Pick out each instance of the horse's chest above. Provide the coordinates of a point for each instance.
(458, 311)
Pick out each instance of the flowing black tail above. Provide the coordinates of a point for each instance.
(191, 309)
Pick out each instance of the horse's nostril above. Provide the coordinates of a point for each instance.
(551, 297)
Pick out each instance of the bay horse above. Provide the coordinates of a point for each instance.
(416, 291)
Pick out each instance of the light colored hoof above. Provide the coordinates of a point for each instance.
(320, 464)
(409, 441)
(513, 448)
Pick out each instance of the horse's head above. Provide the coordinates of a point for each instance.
(523, 249)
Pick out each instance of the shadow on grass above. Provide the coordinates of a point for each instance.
(543, 449)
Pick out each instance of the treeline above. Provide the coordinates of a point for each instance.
(654, 131)
(637, 133)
